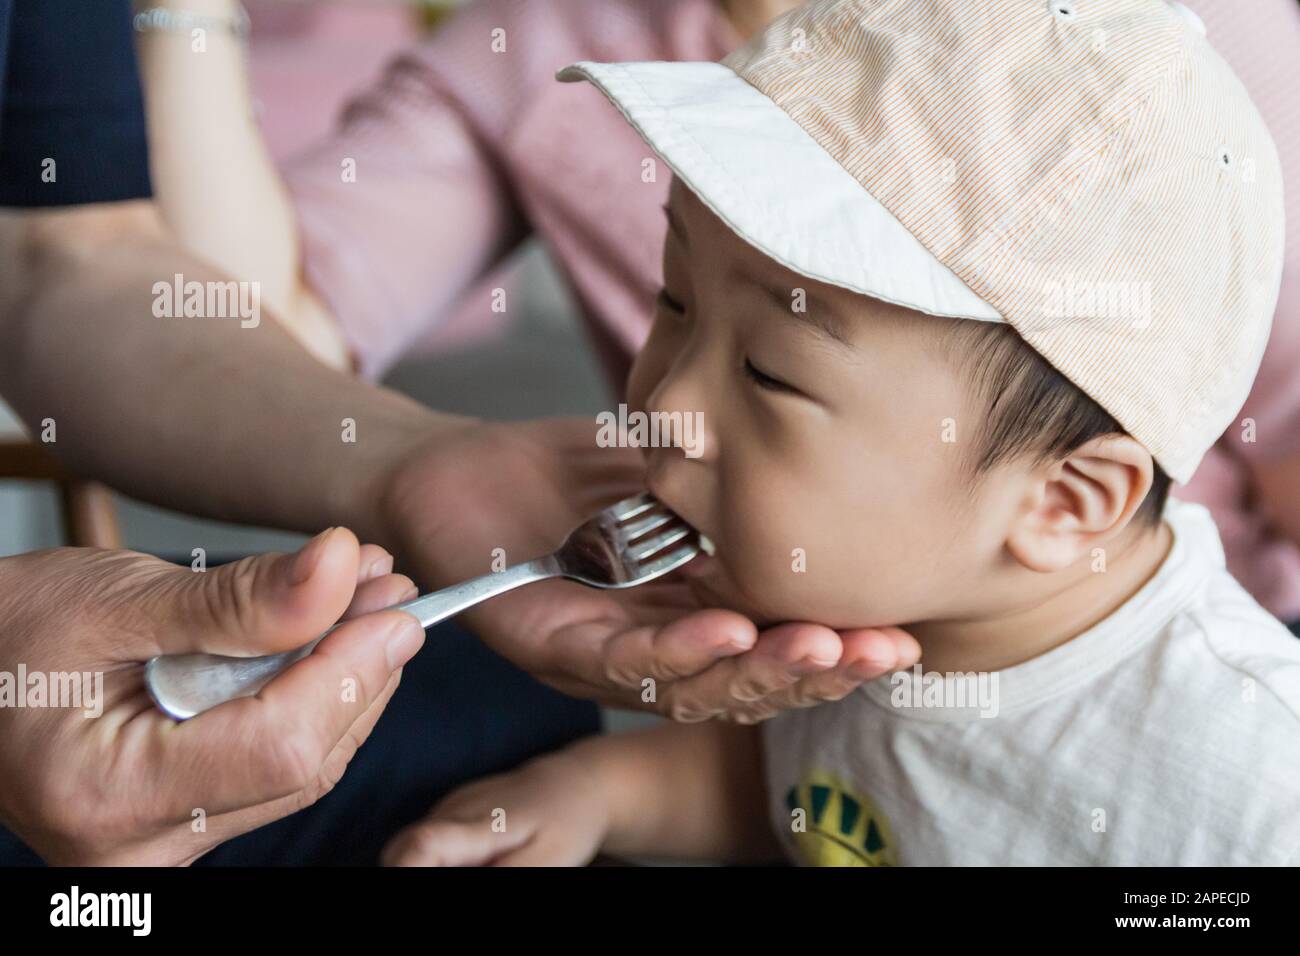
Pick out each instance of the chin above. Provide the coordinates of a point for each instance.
(716, 591)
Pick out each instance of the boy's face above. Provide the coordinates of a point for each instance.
(823, 436)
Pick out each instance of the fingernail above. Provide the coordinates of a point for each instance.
(380, 566)
(809, 665)
(406, 639)
(305, 563)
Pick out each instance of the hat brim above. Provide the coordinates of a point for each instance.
(774, 185)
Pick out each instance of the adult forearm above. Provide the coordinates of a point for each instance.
(211, 415)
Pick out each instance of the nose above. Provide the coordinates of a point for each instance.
(674, 474)
(678, 404)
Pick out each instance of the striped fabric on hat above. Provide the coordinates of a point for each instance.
(1091, 169)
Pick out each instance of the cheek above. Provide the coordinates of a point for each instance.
(848, 537)
(899, 522)
(785, 557)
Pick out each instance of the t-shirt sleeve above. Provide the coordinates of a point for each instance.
(72, 124)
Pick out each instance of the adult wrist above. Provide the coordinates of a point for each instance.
(369, 497)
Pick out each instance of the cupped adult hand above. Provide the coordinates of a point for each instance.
(510, 492)
(113, 780)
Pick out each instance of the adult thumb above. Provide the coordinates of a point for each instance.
(258, 605)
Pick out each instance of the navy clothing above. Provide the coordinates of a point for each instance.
(72, 127)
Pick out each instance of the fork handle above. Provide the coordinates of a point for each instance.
(184, 685)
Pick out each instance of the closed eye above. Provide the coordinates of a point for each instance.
(763, 380)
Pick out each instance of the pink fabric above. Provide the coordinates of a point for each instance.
(306, 59)
(462, 152)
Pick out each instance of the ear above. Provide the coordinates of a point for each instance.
(1081, 502)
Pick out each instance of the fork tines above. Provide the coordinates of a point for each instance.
(631, 507)
(648, 528)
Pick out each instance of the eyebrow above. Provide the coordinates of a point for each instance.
(817, 316)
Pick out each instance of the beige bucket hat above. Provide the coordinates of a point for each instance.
(1090, 172)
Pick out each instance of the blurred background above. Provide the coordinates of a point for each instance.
(307, 58)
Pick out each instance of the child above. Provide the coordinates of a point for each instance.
(959, 289)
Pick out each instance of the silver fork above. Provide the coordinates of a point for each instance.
(629, 543)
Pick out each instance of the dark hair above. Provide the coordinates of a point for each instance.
(1032, 409)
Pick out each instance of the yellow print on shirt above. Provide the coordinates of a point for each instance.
(838, 827)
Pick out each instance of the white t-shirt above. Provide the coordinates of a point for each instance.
(1169, 734)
